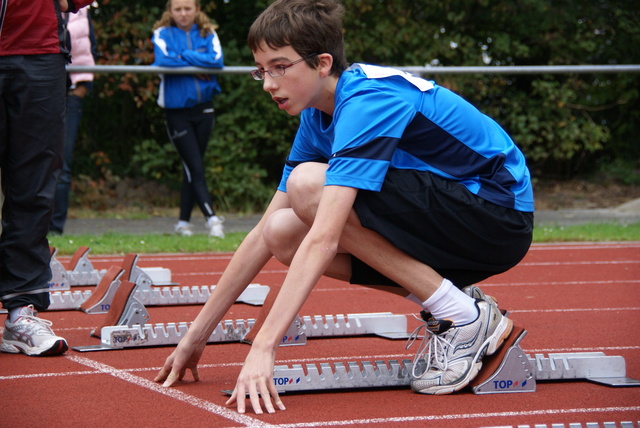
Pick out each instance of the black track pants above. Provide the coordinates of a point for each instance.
(189, 130)
(32, 108)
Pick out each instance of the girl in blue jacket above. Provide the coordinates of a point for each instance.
(184, 36)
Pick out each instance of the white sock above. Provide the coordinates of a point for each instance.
(412, 298)
(449, 302)
(15, 313)
(183, 223)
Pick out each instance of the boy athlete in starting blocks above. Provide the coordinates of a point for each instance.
(392, 182)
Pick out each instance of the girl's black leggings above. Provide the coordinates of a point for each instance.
(189, 130)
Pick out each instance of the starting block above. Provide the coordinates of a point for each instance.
(138, 334)
(126, 326)
(383, 324)
(509, 370)
(80, 272)
(99, 300)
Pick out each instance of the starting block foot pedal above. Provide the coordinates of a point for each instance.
(125, 309)
(100, 300)
(508, 370)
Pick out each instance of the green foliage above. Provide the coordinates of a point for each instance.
(566, 124)
(156, 161)
(625, 171)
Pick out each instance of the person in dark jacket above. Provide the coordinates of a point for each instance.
(32, 108)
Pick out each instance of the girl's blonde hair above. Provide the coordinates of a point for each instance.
(202, 20)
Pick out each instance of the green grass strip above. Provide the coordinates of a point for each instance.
(593, 232)
(119, 243)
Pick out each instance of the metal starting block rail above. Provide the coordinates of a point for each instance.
(126, 325)
(383, 324)
(146, 292)
(80, 272)
(504, 372)
(156, 296)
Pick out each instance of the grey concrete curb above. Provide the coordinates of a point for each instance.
(153, 225)
(624, 214)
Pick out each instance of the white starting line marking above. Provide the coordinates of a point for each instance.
(170, 392)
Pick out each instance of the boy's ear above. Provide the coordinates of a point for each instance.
(326, 61)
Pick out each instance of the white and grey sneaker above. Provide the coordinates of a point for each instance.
(475, 292)
(214, 224)
(31, 335)
(452, 355)
(183, 229)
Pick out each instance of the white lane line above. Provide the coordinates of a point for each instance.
(221, 272)
(46, 375)
(524, 311)
(585, 246)
(227, 256)
(523, 264)
(158, 257)
(411, 314)
(586, 262)
(316, 360)
(216, 366)
(463, 416)
(170, 392)
(608, 282)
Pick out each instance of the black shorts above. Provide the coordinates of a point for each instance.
(442, 224)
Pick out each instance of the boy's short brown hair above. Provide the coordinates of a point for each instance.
(308, 26)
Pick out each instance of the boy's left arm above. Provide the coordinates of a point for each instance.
(311, 260)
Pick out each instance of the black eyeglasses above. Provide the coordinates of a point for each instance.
(276, 70)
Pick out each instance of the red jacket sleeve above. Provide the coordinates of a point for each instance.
(75, 5)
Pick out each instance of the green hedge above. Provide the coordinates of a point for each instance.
(565, 124)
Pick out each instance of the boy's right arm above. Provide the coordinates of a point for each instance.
(246, 263)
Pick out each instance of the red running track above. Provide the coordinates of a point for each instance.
(569, 297)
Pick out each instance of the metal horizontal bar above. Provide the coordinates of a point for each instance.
(422, 70)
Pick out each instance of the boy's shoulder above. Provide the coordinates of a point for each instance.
(368, 75)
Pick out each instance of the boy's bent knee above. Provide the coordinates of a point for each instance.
(308, 176)
(283, 233)
(304, 188)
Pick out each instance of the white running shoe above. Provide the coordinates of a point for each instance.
(453, 354)
(31, 335)
(214, 224)
(475, 292)
(183, 229)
